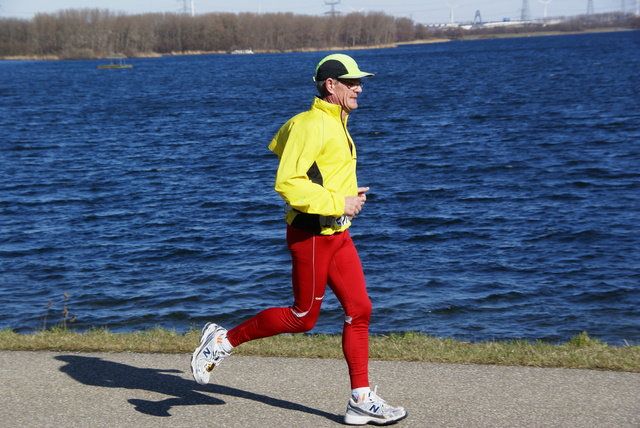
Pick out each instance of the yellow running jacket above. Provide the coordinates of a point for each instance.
(317, 168)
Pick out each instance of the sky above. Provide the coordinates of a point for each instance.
(420, 11)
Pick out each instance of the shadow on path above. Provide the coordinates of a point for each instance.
(98, 372)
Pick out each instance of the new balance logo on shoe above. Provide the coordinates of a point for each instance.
(372, 409)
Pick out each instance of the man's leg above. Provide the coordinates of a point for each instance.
(346, 279)
(310, 256)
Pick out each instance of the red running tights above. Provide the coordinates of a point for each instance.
(319, 260)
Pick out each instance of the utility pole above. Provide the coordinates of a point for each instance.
(185, 7)
(525, 16)
(477, 20)
(333, 12)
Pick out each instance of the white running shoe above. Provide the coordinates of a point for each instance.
(373, 410)
(209, 354)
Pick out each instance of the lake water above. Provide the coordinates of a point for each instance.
(504, 175)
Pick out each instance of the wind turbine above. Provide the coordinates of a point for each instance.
(545, 3)
(451, 12)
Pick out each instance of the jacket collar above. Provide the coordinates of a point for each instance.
(331, 109)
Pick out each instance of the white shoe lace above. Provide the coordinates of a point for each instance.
(384, 407)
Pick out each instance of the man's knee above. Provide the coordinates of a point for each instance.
(303, 323)
(360, 313)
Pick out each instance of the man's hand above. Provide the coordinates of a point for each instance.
(353, 204)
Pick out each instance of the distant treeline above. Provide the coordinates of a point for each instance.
(90, 33)
(99, 33)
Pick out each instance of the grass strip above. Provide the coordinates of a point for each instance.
(580, 352)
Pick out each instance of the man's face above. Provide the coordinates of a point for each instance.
(344, 92)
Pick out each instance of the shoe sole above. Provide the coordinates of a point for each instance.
(364, 420)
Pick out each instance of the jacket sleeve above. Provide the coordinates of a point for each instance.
(298, 146)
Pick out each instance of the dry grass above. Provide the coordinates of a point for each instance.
(581, 352)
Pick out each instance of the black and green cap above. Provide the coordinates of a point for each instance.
(338, 66)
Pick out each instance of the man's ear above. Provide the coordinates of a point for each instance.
(330, 85)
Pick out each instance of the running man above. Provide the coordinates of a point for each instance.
(316, 177)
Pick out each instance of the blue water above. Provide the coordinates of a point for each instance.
(504, 175)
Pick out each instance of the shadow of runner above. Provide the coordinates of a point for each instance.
(98, 372)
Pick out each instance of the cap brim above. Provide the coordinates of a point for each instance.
(359, 75)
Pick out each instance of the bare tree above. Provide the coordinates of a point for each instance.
(86, 33)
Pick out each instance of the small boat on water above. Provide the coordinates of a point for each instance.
(242, 51)
(115, 64)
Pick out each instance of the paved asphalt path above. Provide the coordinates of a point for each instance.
(61, 389)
